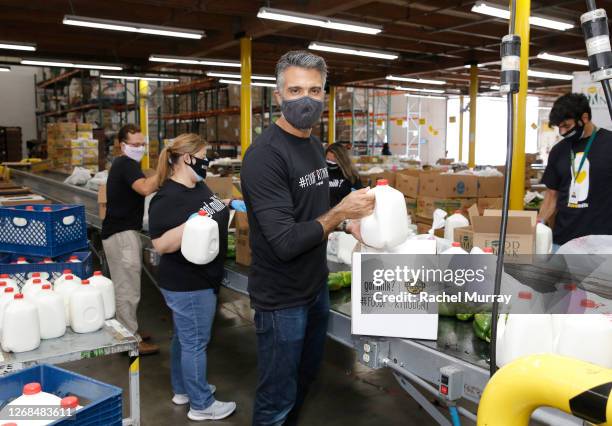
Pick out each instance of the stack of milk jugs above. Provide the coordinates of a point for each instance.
(42, 310)
(34, 396)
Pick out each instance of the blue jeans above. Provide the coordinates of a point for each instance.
(193, 313)
(290, 346)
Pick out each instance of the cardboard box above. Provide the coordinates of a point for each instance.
(407, 185)
(489, 203)
(448, 185)
(221, 186)
(427, 205)
(228, 128)
(423, 228)
(411, 206)
(484, 232)
(66, 127)
(243, 247)
(84, 127)
(84, 135)
(102, 201)
(490, 186)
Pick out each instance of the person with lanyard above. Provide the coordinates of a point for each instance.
(126, 189)
(343, 178)
(578, 174)
(190, 290)
(285, 183)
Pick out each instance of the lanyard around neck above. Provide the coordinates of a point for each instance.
(584, 155)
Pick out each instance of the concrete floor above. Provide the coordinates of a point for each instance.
(346, 393)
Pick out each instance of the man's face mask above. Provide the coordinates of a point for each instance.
(575, 134)
(302, 113)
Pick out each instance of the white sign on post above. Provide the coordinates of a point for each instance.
(582, 83)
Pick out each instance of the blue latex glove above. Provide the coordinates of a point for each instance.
(238, 205)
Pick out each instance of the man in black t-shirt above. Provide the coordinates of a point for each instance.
(126, 188)
(578, 175)
(285, 185)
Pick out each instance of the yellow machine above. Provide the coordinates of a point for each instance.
(571, 385)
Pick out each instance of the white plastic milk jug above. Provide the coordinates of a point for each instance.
(86, 309)
(74, 259)
(70, 402)
(6, 297)
(21, 261)
(20, 326)
(33, 396)
(200, 243)
(544, 238)
(65, 285)
(519, 335)
(33, 286)
(456, 220)
(585, 337)
(455, 249)
(389, 225)
(9, 281)
(106, 287)
(51, 313)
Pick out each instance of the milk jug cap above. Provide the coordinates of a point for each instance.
(69, 277)
(4, 276)
(18, 296)
(67, 271)
(85, 282)
(36, 281)
(46, 287)
(527, 295)
(73, 258)
(21, 259)
(456, 244)
(36, 275)
(9, 290)
(457, 211)
(488, 250)
(382, 182)
(47, 209)
(2, 283)
(202, 213)
(30, 208)
(32, 389)
(98, 273)
(70, 402)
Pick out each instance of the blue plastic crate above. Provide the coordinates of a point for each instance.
(102, 403)
(21, 272)
(31, 231)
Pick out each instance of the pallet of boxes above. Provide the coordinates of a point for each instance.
(71, 145)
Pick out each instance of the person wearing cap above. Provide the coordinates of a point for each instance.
(126, 189)
(578, 173)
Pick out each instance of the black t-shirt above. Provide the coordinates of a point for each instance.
(124, 206)
(591, 214)
(285, 187)
(339, 186)
(171, 207)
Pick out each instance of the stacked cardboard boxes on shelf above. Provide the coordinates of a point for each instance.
(72, 144)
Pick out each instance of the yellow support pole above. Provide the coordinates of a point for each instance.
(245, 95)
(331, 116)
(517, 184)
(460, 128)
(143, 95)
(473, 101)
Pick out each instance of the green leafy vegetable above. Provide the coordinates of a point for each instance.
(482, 326)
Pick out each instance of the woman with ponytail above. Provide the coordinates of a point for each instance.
(190, 290)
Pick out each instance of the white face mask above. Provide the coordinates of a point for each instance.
(134, 152)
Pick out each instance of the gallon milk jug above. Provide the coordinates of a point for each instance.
(9, 281)
(388, 226)
(32, 287)
(456, 220)
(33, 396)
(200, 243)
(64, 286)
(476, 250)
(51, 313)
(62, 277)
(21, 261)
(106, 287)
(20, 326)
(544, 238)
(86, 309)
(523, 334)
(5, 298)
(586, 337)
(454, 249)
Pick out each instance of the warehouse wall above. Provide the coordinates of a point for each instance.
(17, 107)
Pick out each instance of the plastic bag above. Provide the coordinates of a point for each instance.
(439, 220)
(80, 176)
(99, 179)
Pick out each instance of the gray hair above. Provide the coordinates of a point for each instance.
(301, 59)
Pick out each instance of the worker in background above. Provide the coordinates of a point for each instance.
(343, 178)
(190, 290)
(386, 150)
(126, 189)
(285, 185)
(578, 176)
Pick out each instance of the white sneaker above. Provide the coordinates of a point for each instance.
(182, 398)
(217, 411)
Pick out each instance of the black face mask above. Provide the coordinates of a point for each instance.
(199, 166)
(575, 134)
(331, 165)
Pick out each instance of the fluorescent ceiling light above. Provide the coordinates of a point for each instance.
(565, 59)
(194, 61)
(494, 87)
(317, 21)
(410, 89)
(229, 81)
(424, 97)
(231, 75)
(468, 66)
(15, 45)
(139, 77)
(5, 69)
(348, 50)
(551, 75)
(107, 24)
(51, 63)
(501, 12)
(262, 84)
(415, 80)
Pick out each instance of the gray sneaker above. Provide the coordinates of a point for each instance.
(183, 399)
(217, 411)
